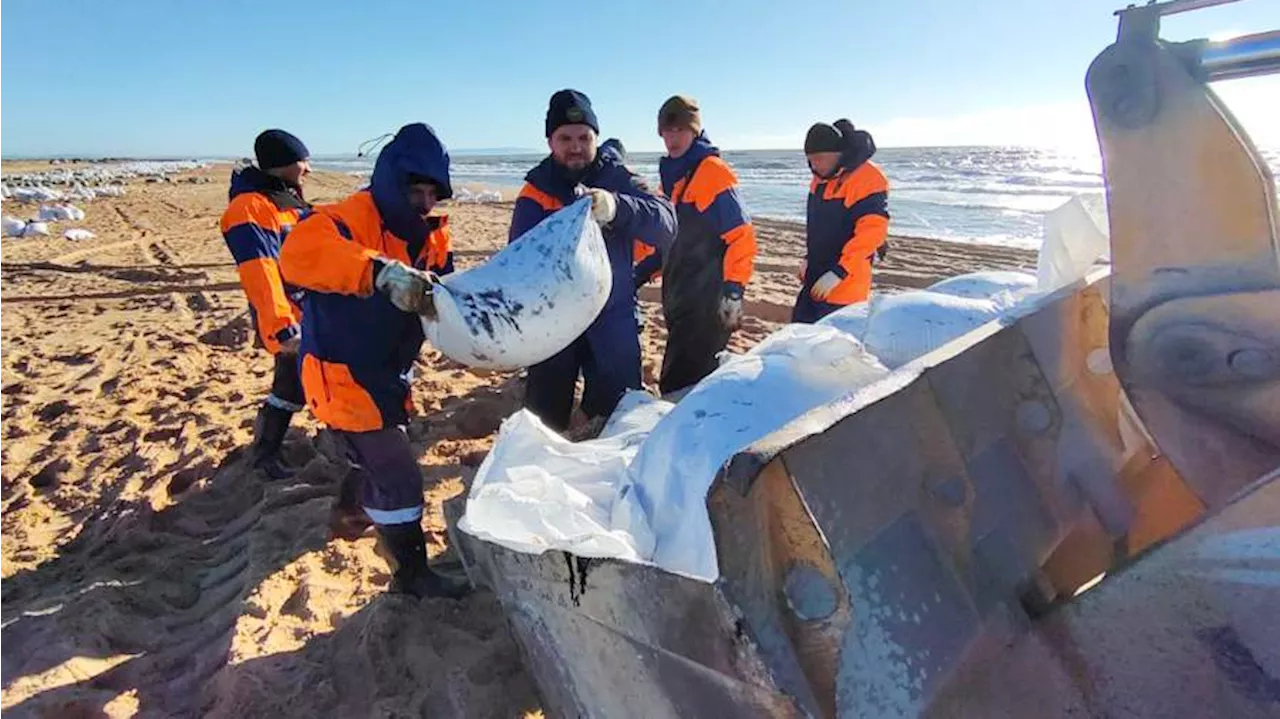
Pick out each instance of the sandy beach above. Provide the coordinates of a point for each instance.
(147, 571)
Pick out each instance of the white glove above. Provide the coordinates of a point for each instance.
(408, 289)
(604, 206)
(823, 287)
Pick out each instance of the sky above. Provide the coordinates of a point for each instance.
(152, 78)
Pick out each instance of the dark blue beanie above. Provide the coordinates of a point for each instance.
(570, 107)
(277, 148)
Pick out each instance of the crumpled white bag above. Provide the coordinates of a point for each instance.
(639, 492)
(1076, 236)
(529, 301)
(537, 491)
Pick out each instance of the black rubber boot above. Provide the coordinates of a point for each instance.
(268, 436)
(408, 549)
(347, 518)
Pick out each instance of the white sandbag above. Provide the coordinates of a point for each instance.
(77, 233)
(13, 227)
(35, 229)
(850, 319)
(639, 492)
(986, 284)
(530, 300)
(663, 503)
(537, 491)
(36, 194)
(1076, 236)
(904, 327)
(60, 213)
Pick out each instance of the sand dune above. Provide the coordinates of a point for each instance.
(147, 570)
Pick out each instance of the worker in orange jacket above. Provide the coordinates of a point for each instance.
(367, 265)
(265, 203)
(847, 220)
(708, 266)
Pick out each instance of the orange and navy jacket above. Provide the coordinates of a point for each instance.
(715, 250)
(262, 211)
(847, 223)
(642, 218)
(357, 348)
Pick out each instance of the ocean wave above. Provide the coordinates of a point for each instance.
(992, 195)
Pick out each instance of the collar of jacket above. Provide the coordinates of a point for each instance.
(253, 179)
(560, 182)
(672, 169)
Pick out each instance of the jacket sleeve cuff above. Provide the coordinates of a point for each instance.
(288, 333)
(840, 271)
(626, 211)
(733, 290)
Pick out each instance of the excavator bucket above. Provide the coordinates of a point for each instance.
(1074, 514)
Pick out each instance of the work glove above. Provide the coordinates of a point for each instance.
(731, 306)
(604, 206)
(823, 287)
(290, 339)
(408, 289)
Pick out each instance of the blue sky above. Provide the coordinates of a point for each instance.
(153, 78)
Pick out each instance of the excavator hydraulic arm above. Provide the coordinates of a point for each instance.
(1195, 282)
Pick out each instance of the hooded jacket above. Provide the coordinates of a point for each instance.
(847, 220)
(262, 210)
(642, 217)
(357, 348)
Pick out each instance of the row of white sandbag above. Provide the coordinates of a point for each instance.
(102, 174)
(40, 193)
(13, 227)
(60, 213)
(465, 195)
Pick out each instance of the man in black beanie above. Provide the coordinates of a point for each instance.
(846, 222)
(608, 353)
(265, 203)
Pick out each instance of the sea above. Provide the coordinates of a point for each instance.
(989, 195)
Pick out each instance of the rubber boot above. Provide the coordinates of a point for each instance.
(347, 518)
(408, 550)
(269, 431)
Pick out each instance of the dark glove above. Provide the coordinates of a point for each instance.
(731, 306)
(409, 289)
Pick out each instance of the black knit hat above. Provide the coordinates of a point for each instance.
(570, 107)
(277, 148)
(823, 138)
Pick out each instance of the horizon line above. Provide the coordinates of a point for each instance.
(477, 151)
